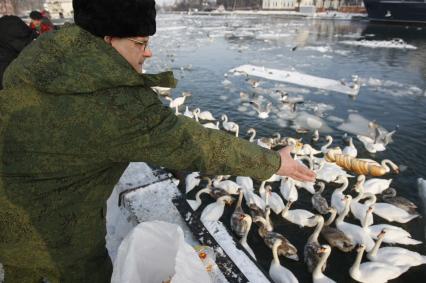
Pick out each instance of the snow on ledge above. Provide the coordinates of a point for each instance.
(295, 78)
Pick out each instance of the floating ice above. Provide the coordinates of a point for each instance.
(295, 78)
(322, 49)
(308, 121)
(394, 43)
(272, 35)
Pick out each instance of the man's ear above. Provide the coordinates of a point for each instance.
(107, 39)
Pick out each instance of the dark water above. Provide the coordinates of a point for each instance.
(201, 49)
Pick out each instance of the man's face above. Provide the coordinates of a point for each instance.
(133, 49)
(36, 22)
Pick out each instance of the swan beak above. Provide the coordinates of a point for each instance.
(294, 257)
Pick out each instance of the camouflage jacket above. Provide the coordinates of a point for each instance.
(73, 114)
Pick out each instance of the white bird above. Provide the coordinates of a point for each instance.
(394, 255)
(329, 172)
(214, 211)
(191, 181)
(325, 147)
(243, 240)
(195, 204)
(337, 198)
(271, 198)
(175, 103)
(394, 234)
(230, 186)
(354, 232)
(212, 126)
(374, 272)
(279, 273)
(262, 113)
(205, 115)
(263, 142)
(393, 213)
(359, 210)
(229, 126)
(288, 189)
(317, 275)
(188, 113)
(299, 217)
(163, 91)
(350, 149)
(376, 185)
(370, 144)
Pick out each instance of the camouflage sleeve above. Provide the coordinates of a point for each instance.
(157, 136)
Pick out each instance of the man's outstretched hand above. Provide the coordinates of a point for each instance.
(294, 169)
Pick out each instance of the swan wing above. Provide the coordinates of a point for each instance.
(212, 212)
(392, 213)
(280, 274)
(399, 256)
(356, 234)
(379, 272)
(276, 203)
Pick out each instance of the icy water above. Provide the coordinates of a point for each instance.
(201, 49)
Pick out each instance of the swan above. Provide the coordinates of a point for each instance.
(162, 91)
(278, 273)
(262, 113)
(329, 172)
(393, 213)
(319, 203)
(299, 217)
(212, 126)
(337, 196)
(195, 204)
(188, 113)
(230, 186)
(324, 148)
(389, 196)
(175, 103)
(248, 221)
(288, 189)
(229, 126)
(354, 232)
(370, 144)
(394, 234)
(245, 182)
(290, 102)
(307, 149)
(269, 237)
(394, 255)
(310, 255)
(315, 135)
(359, 210)
(237, 224)
(271, 198)
(376, 185)
(308, 186)
(317, 275)
(263, 142)
(350, 149)
(334, 236)
(214, 211)
(191, 181)
(205, 115)
(374, 272)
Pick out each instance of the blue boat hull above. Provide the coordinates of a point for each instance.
(396, 11)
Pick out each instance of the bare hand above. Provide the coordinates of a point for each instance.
(294, 169)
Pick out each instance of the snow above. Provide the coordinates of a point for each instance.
(295, 78)
(395, 43)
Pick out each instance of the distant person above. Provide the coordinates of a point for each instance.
(14, 36)
(39, 23)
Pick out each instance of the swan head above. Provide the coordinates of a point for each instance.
(251, 131)
(324, 249)
(224, 117)
(360, 248)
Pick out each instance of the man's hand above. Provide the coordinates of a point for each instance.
(294, 169)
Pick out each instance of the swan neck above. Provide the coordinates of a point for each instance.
(376, 247)
(331, 218)
(244, 238)
(240, 199)
(344, 213)
(277, 243)
(253, 134)
(315, 234)
(355, 266)
(200, 192)
(318, 269)
(344, 185)
(286, 208)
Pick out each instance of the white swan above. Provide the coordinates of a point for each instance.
(376, 185)
(324, 148)
(394, 234)
(354, 232)
(195, 204)
(350, 149)
(394, 255)
(188, 113)
(374, 272)
(288, 189)
(359, 210)
(299, 217)
(191, 181)
(371, 145)
(205, 115)
(263, 142)
(337, 200)
(393, 213)
(262, 113)
(214, 211)
(230, 126)
(317, 275)
(230, 186)
(279, 273)
(212, 126)
(175, 103)
(271, 198)
(329, 172)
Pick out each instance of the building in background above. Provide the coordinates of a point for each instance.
(279, 4)
(59, 8)
(6, 7)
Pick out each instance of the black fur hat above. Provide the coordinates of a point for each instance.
(120, 18)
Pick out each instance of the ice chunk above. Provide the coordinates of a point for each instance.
(394, 43)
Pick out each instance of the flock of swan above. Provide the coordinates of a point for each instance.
(278, 194)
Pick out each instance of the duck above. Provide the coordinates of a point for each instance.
(205, 115)
(310, 250)
(262, 113)
(318, 275)
(319, 203)
(394, 255)
(245, 182)
(269, 237)
(175, 103)
(357, 234)
(334, 236)
(191, 181)
(278, 273)
(394, 235)
(350, 149)
(214, 211)
(299, 217)
(338, 196)
(389, 196)
(374, 272)
(263, 142)
(229, 126)
(288, 189)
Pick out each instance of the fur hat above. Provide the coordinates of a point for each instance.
(36, 15)
(120, 18)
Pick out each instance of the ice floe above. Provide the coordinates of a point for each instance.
(394, 43)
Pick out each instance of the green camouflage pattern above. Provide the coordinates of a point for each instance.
(73, 114)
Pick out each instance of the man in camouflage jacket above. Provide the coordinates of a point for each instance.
(73, 114)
